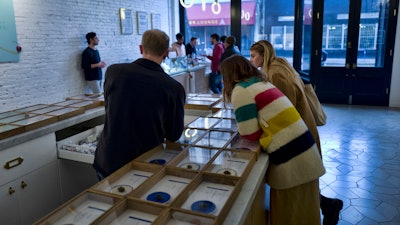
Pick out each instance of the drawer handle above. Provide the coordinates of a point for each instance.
(13, 163)
(11, 190)
(23, 184)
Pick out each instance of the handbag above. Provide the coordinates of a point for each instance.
(316, 107)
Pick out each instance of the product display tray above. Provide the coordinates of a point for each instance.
(80, 147)
(162, 154)
(32, 108)
(224, 113)
(210, 195)
(85, 208)
(165, 186)
(9, 114)
(35, 122)
(68, 102)
(66, 112)
(203, 122)
(127, 178)
(216, 139)
(17, 117)
(191, 135)
(174, 216)
(7, 131)
(226, 124)
(194, 158)
(89, 97)
(133, 212)
(221, 105)
(202, 101)
(236, 163)
(239, 143)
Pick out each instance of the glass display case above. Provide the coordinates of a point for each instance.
(175, 65)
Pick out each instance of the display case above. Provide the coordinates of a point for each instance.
(162, 154)
(84, 208)
(226, 125)
(191, 135)
(216, 139)
(194, 158)
(127, 178)
(203, 122)
(132, 211)
(35, 122)
(202, 101)
(181, 217)
(224, 113)
(175, 65)
(232, 163)
(165, 186)
(210, 195)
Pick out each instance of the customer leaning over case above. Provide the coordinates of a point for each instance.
(265, 114)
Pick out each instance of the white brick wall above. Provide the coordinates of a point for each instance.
(52, 36)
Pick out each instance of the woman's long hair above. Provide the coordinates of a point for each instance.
(234, 70)
(266, 49)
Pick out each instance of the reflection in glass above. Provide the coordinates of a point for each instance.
(334, 34)
(274, 22)
(371, 37)
(373, 23)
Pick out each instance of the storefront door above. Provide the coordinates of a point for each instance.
(352, 50)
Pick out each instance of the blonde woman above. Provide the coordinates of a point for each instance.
(281, 74)
(265, 114)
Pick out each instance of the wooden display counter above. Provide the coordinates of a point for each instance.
(247, 208)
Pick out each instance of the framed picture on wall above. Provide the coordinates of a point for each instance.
(156, 21)
(143, 23)
(126, 21)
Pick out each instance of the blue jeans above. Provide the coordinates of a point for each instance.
(216, 83)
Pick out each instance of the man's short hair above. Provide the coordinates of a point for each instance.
(193, 38)
(155, 42)
(230, 40)
(215, 36)
(89, 36)
(222, 38)
(179, 36)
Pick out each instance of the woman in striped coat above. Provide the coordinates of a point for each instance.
(263, 113)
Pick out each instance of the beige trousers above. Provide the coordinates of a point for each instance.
(295, 206)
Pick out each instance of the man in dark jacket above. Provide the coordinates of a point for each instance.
(144, 106)
(230, 48)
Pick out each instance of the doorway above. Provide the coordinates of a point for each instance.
(352, 50)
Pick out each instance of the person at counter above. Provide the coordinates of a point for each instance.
(263, 113)
(230, 48)
(191, 47)
(179, 45)
(284, 76)
(144, 106)
(215, 80)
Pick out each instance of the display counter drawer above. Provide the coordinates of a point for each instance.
(26, 157)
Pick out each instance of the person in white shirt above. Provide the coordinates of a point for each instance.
(179, 46)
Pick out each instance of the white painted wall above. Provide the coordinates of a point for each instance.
(52, 36)
(394, 100)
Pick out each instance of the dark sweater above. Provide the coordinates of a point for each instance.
(144, 106)
(229, 51)
(89, 57)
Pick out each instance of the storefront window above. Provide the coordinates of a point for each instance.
(260, 20)
(205, 17)
(274, 22)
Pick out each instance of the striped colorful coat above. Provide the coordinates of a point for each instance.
(264, 113)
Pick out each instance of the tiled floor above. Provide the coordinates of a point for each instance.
(361, 153)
